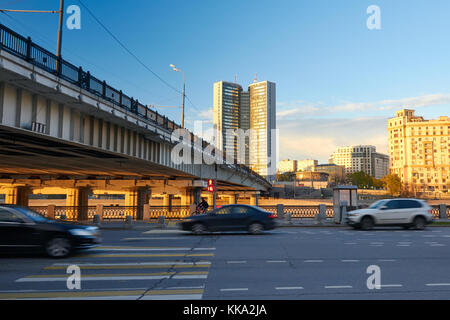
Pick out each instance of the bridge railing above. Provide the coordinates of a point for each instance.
(181, 212)
(24, 48)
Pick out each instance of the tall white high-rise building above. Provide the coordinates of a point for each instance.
(254, 109)
(263, 124)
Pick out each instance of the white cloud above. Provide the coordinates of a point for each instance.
(319, 138)
(302, 108)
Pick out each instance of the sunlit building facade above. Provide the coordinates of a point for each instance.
(254, 109)
(419, 151)
(363, 158)
(263, 124)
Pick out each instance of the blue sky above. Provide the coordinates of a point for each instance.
(334, 77)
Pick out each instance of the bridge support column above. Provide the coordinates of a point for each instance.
(235, 198)
(197, 193)
(17, 195)
(210, 199)
(167, 202)
(254, 200)
(137, 198)
(187, 197)
(77, 200)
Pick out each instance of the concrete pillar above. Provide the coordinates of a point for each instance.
(136, 198)
(280, 211)
(210, 199)
(17, 195)
(235, 198)
(146, 212)
(254, 200)
(167, 202)
(99, 211)
(77, 201)
(443, 212)
(186, 197)
(197, 193)
(51, 211)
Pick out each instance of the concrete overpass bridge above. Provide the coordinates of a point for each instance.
(63, 131)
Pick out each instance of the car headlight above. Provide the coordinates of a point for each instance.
(81, 232)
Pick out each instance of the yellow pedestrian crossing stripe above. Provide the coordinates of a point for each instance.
(99, 294)
(145, 255)
(120, 274)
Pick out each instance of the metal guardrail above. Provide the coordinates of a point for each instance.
(27, 50)
(180, 212)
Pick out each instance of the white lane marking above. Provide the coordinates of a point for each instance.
(167, 231)
(437, 245)
(276, 261)
(437, 284)
(350, 260)
(403, 245)
(338, 287)
(152, 238)
(234, 289)
(289, 288)
(387, 260)
(349, 242)
(149, 249)
(375, 243)
(391, 285)
(313, 261)
(134, 264)
(242, 261)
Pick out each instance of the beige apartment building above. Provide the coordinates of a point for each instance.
(419, 151)
(361, 158)
(306, 165)
(287, 166)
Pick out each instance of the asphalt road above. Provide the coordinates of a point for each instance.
(286, 263)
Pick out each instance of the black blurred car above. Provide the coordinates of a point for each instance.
(230, 218)
(23, 230)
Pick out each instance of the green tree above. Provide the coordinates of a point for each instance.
(287, 176)
(393, 184)
(361, 179)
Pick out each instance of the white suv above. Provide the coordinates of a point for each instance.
(392, 212)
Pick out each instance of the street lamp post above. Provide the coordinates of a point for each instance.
(61, 13)
(184, 85)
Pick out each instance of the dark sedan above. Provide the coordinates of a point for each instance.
(231, 218)
(23, 230)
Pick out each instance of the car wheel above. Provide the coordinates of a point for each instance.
(405, 227)
(255, 228)
(198, 228)
(58, 247)
(367, 223)
(419, 223)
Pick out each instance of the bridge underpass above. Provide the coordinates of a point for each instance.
(66, 132)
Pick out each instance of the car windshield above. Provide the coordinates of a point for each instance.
(377, 204)
(36, 217)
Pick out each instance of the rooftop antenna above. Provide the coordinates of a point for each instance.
(235, 78)
(256, 78)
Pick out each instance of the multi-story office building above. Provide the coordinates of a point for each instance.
(262, 123)
(226, 114)
(255, 110)
(380, 165)
(361, 158)
(306, 165)
(419, 151)
(287, 166)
